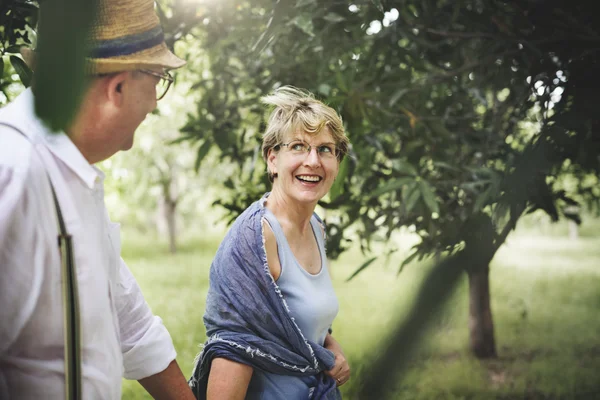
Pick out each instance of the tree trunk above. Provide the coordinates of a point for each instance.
(481, 325)
(573, 230)
(169, 210)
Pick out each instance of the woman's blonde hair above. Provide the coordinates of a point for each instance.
(297, 110)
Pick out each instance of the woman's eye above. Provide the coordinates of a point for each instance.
(298, 147)
(325, 149)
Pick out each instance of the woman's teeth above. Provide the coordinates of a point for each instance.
(309, 178)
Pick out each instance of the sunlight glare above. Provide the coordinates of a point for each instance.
(374, 28)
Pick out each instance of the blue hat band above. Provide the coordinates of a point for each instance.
(127, 45)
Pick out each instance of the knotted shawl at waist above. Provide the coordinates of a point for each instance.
(247, 319)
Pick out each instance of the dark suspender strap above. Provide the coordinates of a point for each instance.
(70, 300)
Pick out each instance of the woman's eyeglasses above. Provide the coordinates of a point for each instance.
(299, 147)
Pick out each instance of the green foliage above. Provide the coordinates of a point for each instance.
(435, 93)
(17, 20)
(159, 170)
(21, 68)
(433, 103)
(59, 76)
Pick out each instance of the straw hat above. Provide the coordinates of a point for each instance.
(126, 35)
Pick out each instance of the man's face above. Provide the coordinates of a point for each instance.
(139, 99)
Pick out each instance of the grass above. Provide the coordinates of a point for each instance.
(545, 299)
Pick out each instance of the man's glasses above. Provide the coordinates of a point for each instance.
(300, 148)
(163, 85)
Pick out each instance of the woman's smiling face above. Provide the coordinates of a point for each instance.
(303, 176)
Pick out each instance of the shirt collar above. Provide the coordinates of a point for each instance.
(61, 146)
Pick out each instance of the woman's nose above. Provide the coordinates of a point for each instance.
(312, 157)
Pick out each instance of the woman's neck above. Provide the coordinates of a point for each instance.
(289, 211)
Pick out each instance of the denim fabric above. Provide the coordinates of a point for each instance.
(247, 319)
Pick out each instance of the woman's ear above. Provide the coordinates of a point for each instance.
(271, 157)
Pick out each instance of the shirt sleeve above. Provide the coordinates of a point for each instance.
(145, 342)
(24, 249)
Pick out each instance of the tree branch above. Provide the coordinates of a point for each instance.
(465, 35)
(510, 225)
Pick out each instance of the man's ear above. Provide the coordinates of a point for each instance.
(115, 86)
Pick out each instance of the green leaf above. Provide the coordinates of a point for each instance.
(361, 268)
(572, 214)
(13, 49)
(404, 167)
(397, 96)
(474, 187)
(22, 70)
(202, 152)
(412, 199)
(338, 185)
(395, 184)
(562, 195)
(484, 172)
(340, 81)
(445, 165)
(429, 197)
(26, 5)
(438, 127)
(180, 139)
(59, 72)
(408, 189)
(378, 4)
(407, 260)
(302, 3)
(229, 184)
(304, 22)
(481, 200)
(1, 67)
(333, 17)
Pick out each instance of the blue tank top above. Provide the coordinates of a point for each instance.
(313, 306)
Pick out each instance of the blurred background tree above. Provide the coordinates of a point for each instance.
(445, 104)
(157, 187)
(18, 19)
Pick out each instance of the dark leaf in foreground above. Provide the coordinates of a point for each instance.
(59, 73)
(22, 70)
(362, 267)
(401, 344)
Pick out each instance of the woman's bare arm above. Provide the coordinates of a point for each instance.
(228, 380)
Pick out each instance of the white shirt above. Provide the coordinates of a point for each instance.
(119, 335)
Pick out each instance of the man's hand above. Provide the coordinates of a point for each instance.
(169, 384)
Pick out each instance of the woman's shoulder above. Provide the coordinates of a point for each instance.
(251, 215)
(245, 230)
(319, 222)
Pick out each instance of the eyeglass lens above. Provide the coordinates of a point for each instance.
(161, 88)
(324, 150)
